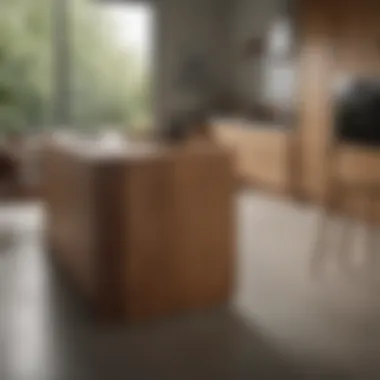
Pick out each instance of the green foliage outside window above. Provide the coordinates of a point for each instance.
(108, 85)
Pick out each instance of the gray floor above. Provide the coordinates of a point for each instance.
(283, 322)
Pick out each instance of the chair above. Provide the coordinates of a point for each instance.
(356, 124)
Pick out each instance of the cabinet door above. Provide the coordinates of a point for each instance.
(355, 35)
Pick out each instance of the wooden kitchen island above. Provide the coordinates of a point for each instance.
(143, 231)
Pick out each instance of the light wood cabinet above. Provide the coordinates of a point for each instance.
(262, 156)
(334, 40)
(146, 233)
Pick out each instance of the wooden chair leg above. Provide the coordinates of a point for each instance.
(371, 231)
(345, 243)
(319, 250)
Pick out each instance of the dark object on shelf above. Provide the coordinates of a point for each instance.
(176, 131)
(225, 103)
(183, 127)
(357, 117)
(253, 47)
(261, 112)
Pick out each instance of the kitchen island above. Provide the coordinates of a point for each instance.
(143, 230)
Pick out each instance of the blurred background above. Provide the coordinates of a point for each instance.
(81, 62)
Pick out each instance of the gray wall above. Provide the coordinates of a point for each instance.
(250, 19)
(185, 28)
(216, 30)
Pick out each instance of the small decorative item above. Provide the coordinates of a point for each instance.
(175, 132)
(186, 126)
(253, 48)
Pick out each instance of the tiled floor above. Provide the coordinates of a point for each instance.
(283, 323)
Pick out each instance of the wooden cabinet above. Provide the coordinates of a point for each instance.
(262, 156)
(145, 233)
(336, 40)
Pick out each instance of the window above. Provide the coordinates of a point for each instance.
(110, 61)
(25, 65)
(79, 62)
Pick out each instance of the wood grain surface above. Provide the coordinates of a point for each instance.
(335, 41)
(262, 156)
(144, 235)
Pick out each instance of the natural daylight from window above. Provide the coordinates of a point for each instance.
(93, 64)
